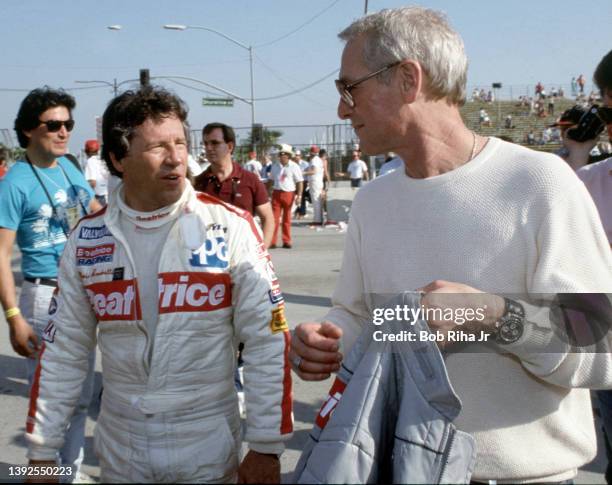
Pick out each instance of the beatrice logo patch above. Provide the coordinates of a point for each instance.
(278, 323)
(88, 256)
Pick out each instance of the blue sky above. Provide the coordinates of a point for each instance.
(57, 43)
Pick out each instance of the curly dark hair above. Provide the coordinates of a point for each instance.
(131, 109)
(603, 74)
(36, 103)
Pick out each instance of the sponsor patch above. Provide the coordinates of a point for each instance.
(48, 334)
(114, 300)
(270, 272)
(88, 256)
(276, 295)
(335, 394)
(194, 292)
(91, 233)
(53, 305)
(118, 273)
(212, 254)
(261, 251)
(278, 323)
(86, 276)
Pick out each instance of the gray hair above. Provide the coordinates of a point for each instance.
(415, 33)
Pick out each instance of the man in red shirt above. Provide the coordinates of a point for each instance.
(229, 182)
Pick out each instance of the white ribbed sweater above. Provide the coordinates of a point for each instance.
(510, 221)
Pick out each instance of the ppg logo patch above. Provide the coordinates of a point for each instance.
(212, 254)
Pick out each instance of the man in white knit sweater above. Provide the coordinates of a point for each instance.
(468, 215)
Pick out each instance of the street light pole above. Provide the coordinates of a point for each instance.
(231, 39)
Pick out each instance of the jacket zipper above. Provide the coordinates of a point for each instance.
(447, 450)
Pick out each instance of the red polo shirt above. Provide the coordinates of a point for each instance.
(242, 188)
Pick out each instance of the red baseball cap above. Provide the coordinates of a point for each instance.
(314, 149)
(92, 146)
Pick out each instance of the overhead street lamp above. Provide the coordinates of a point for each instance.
(231, 39)
(115, 85)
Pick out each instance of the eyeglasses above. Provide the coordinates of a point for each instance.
(213, 143)
(345, 89)
(56, 125)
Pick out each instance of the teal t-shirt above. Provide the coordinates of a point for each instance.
(26, 209)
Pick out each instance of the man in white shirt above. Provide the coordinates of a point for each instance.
(96, 172)
(357, 170)
(253, 165)
(482, 220)
(300, 212)
(286, 179)
(166, 281)
(316, 173)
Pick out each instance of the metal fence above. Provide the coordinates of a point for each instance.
(337, 139)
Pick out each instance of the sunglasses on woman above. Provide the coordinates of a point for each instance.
(56, 125)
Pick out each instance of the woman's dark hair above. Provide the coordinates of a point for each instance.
(131, 109)
(36, 103)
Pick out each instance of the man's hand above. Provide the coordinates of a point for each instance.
(479, 310)
(23, 337)
(314, 350)
(259, 468)
(38, 478)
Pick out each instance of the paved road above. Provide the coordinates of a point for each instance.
(307, 273)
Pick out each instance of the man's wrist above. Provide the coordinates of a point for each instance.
(12, 312)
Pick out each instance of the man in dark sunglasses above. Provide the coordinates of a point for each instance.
(41, 199)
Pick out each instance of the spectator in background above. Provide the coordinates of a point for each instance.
(357, 171)
(538, 90)
(581, 82)
(574, 87)
(551, 105)
(42, 198)
(300, 212)
(253, 165)
(597, 178)
(286, 179)
(316, 177)
(96, 172)
(229, 182)
(508, 122)
(483, 118)
(3, 162)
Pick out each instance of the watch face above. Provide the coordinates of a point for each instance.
(510, 330)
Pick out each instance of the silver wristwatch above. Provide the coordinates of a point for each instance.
(511, 325)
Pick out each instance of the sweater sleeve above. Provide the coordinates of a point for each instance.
(573, 257)
(349, 310)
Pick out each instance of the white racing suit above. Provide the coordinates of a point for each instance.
(173, 417)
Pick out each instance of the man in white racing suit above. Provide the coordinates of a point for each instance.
(167, 281)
